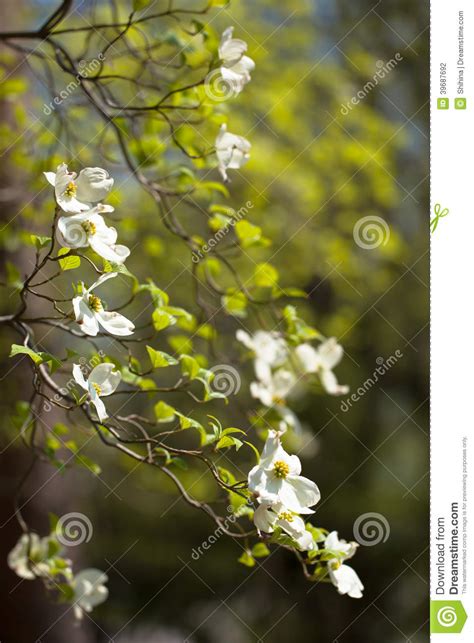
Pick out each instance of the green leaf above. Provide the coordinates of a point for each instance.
(218, 222)
(17, 349)
(66, 592)
(13, 275)
(213, 186)
(260, 550)
(39, 242)
(247, 559)
(177, 312)
(37, 358)
(292, 292)
(297, 328)
(187, 422)
(254, 449)
(181, 344)
(235, 303)
(159, 297)
(69, 262)
(162, 319)
(138, 5)
(249, 234)
(232, 429)
(60, 429)
(265, 275)
(206, 331)
(164, 412)
(89, 464)
(52, 444)
(53, 521)
(228, 441)
(189, 366)
(160, 359)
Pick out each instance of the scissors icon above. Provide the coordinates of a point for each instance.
(438, 215)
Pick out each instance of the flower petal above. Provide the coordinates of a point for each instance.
(330, 353)
(79, 376)
(106, 377)
(97, 402)
(71, 232)
(50, 177)
(308, 358)
(264, 519)
(331, 385)
(346, 581)
(102, 279)
(114, 253)
(115, 323)
(298, 493)
(68, 203)
(93, 184)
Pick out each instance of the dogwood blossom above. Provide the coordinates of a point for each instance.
(28, 558)
(78, 193)
(266, 517)
(322, 360)
(232, 151)
(89, 590)
(236, 67)
(102, 381)
(274, 387)
(343, 577)
(276, 479)
(269, 348)
(90, 313)
(89, 229)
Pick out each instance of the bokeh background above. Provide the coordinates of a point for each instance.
(314, 173)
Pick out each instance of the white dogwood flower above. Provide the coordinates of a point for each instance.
(89, 229)
(276, 479)
(28, 558)
(266, 517)
(102, 381)
(236, 67)
(322, 360)
(90, 313)
(89, 590)
(269, 348)
(274, 387)
(232, 151)
(78, 193)
(343, 577)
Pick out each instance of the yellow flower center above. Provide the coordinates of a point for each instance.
(70, 189)
(336, 565)
(286, 515)
(89, 227)
(281, 469)
(95, 303)
(98, 390)
(279, 400)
